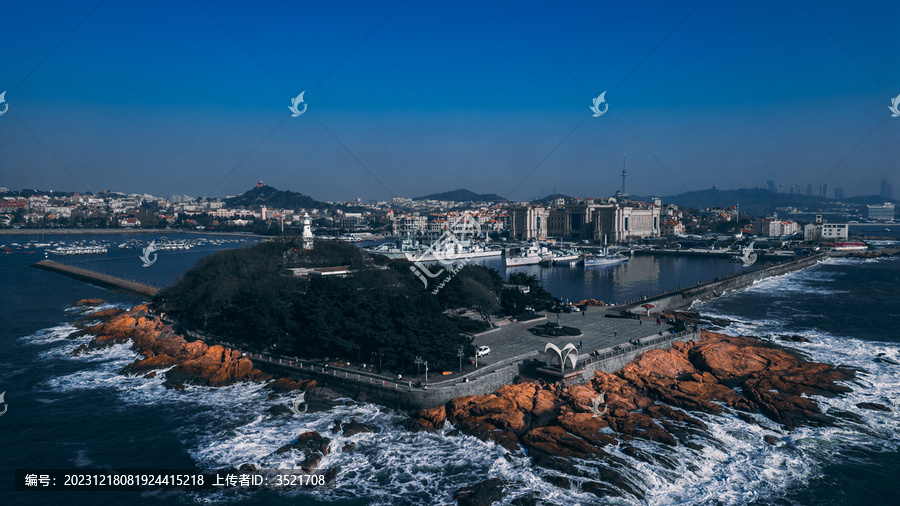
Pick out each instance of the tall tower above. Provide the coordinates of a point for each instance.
(307, 233)
(624, 193)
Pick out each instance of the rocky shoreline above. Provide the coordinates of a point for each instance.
(567, 429)
(657, 398)
(161, 348)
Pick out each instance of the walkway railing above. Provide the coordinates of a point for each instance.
(362, 376)
(644, 343)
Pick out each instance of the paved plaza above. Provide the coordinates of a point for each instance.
(513, 340)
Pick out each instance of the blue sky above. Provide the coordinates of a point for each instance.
(411, 98)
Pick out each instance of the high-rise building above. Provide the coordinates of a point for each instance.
(770, 185)
(809, 189)
(883, 212)
(839, 193)
(823, 190)
(887, 191)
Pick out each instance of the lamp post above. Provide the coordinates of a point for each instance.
(460, 355)
(426, 371)
(418, 363)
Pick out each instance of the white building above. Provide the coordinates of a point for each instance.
(821, 231)
(593, 222)
(884, 212)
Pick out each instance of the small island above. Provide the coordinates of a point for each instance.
(339, 302)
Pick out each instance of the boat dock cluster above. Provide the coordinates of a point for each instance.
(514, 254)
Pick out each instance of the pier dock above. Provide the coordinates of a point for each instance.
(95, 278)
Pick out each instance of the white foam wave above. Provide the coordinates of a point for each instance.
(229, 427)
(385, 465)
(49, 335)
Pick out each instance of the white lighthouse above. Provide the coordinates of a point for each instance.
(307, 233)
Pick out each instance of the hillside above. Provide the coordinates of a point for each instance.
(272, 197)
(381, 308)
(463, 195)
(551, 198)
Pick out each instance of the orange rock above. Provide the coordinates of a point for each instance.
(587, 427)
(89, 302)
(734, 359)
(521, 394)
(556, 441)
(546, 407)
(432, 419)
(657, 367)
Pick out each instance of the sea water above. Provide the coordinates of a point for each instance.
(79, 413)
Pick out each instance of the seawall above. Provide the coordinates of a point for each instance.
(95, 278)
(684, 297)
(392, 393)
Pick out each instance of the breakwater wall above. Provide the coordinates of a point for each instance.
(95, 278)
(398, 393)
(683, 297)
(390, 392)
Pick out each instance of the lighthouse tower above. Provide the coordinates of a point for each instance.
(307, 233)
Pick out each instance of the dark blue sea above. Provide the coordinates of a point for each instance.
(79, 413)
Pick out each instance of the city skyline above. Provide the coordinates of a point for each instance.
(408, 100)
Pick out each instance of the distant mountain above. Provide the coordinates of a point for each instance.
(551, 198)
(463, 195)
(271, 197)
(754, 201)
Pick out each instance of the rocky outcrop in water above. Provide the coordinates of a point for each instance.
(312, 445)
(648, 399)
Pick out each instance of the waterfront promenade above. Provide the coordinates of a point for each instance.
(614, 341)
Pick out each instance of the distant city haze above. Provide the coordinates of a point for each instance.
(416, 98)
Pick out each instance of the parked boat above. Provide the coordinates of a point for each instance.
(604, 258)
(79, 250)
(530, 256)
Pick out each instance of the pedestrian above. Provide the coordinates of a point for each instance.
(640, 321)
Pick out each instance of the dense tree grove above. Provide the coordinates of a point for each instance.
(514, 301)
(378, 314)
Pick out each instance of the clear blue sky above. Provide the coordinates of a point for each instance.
(418, 97)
